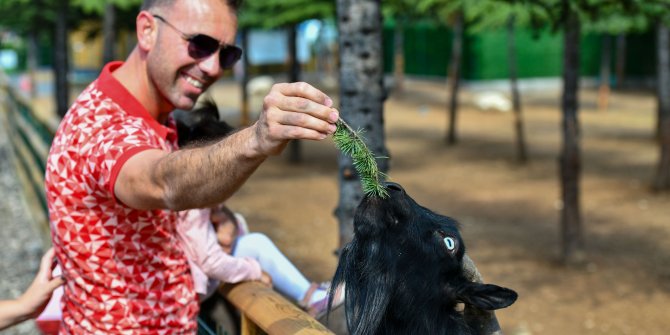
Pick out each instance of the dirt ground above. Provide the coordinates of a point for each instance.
(509, 212)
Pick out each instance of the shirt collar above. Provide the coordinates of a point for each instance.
(111, 87)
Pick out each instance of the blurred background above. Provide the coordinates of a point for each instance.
(542, 126)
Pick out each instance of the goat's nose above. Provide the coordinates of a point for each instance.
(394, 187)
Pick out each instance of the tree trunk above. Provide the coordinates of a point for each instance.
(570, 160)
(295, 155)
(109, 34)
(605, 59)
(244, 110)
(455, 77)
(662, 180)
(522, 155)
(61, 66)
(399, 57)
(361, 96)
(32, 62)
(620, 59)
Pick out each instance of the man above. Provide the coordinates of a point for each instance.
(114, 180)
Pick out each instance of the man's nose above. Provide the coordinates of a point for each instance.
(211, 65)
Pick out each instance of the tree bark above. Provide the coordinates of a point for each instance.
(662, 179)
(522, 155)
(295, 155)
(620, 59)
(605, 59)
(61, 66)
(455, 77)
(109, 34)
(570, 160)
(399, 57)
(362, 97)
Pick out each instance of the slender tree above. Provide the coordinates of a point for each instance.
(244, 112)
(620, 59)
(495, 14)
(605, 71)
(294, 71)
(662, 179)
(522, 152)
(570, 157)
(454, 75)
(61, 58)
(109, 33)
(403, 13)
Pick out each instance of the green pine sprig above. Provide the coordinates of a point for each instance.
(351, 143)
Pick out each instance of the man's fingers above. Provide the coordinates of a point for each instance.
(303, 105)
(305, 121)
(304, 90)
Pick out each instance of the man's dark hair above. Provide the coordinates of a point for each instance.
(149, 4)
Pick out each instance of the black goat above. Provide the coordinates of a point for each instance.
(200, 125)
(403, 272)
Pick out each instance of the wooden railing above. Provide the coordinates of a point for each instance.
(263, 310)
(31, 138)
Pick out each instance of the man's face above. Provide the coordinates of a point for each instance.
(178, 77)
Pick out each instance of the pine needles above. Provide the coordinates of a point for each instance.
(351, 143)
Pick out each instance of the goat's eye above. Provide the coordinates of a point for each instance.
(450, 243)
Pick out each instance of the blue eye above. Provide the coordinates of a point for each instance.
(450, 243)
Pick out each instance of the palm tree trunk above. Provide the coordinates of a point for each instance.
(662, 179)
(570, 160)
(455, 77)
(361, 96)
(522, 154)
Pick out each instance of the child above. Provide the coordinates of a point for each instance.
(241, 256)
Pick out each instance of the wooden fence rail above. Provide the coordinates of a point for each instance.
(262, 309)
(30, 138)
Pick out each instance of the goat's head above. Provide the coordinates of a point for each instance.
(200, 125)
(404, 271)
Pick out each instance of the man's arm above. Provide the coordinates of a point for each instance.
(204, 176)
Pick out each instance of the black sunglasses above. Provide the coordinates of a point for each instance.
(201, 46)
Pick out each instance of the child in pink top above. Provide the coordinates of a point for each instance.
(220, 249)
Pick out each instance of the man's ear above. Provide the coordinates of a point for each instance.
(486, 296)
(146, 28)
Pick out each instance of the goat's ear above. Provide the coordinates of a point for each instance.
(486, 296)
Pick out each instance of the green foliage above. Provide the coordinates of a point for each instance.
(352, 144)
(270, 14)
(98, 7)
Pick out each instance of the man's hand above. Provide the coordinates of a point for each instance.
(294, 111)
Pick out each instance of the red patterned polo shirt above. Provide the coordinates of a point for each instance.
(125, 272)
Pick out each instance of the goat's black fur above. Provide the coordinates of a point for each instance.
(403, 271)
(200, 125)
